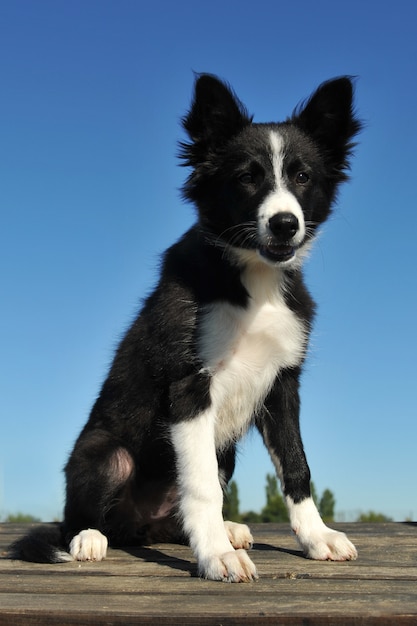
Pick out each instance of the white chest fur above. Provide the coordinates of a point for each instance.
(244, 349)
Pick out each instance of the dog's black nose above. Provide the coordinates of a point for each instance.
(284, 226)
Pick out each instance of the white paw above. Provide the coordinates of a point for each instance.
(239, 535)
(316, 539)
(327, 545)
(232, 567)
(88, 545)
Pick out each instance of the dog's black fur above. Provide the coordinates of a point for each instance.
(122, 477)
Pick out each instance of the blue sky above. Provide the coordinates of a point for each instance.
(91, 97)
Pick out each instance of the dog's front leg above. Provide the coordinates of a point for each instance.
(201, 500)
(279, 426)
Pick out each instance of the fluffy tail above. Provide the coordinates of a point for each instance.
(43, 544)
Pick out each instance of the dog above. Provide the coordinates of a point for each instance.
(217, 348)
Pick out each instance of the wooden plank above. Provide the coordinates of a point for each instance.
(286, 599)
(158, 585)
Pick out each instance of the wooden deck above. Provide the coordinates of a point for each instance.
(158, 585)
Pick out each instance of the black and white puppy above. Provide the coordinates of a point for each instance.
(217, 347)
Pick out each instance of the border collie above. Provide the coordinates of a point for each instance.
(218, 347)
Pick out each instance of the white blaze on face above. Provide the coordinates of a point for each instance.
(280, 200)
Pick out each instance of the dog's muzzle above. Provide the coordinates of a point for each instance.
(280, 246)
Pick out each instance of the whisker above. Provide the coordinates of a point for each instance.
(247, 233)
(237, 235)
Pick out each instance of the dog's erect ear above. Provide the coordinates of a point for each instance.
(216, 115)
(328, 116)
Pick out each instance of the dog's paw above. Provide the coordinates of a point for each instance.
(232, 567)
(239, 535)
(328, 545)
(88, 545)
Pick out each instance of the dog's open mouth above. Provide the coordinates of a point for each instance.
(277, 252)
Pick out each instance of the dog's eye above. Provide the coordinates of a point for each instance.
(246, 178)
(302, 178)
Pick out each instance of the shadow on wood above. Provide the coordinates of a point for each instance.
(159, 585)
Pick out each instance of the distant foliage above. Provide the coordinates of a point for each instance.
(21, 518)
(231, 502)
(373, 517)
(250, 517)
(326, 506)
(314, 493)
(275, 509)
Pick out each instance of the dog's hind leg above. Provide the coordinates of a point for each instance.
(88, 545)
(97, 473)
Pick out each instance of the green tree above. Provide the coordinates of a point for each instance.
(21, 518)
(275, 509)
(373, 517)
(231, 502)
(326, 506)
(250, 517)
(314, 493)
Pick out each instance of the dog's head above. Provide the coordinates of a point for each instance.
(265, 188)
